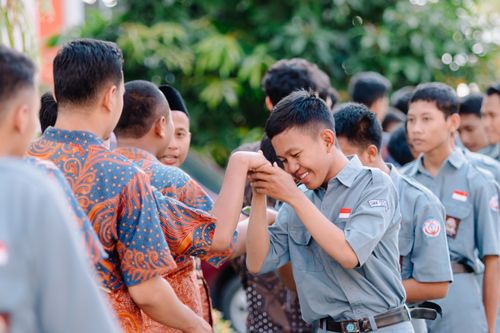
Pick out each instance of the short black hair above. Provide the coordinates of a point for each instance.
(356, 123)
(401, 97)
(392, 116)
(48, 111)
(442, 95)
(140, 109)
(300, 109)
(17, 71)
(268, 150)
(82, 67)
(398, 146)
(367, 87)
(471, 104)
(493, 89)
(289, 75)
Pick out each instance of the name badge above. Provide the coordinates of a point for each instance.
(452, 224)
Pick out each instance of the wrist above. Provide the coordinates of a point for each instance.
(295, 198)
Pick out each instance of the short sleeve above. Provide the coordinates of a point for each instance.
(278, 254)
(142, 248)
(373, 215)
(487, 220)
(430, 256)
(189, 231)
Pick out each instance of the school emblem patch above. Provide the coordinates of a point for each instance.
(4, 254)
(494, 203)
(4, 323)
(431, 228)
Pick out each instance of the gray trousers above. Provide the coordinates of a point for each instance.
(463, 309)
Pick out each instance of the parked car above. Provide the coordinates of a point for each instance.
(226, 290)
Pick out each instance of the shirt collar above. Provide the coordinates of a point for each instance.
(134, 153)
(348, 174)
(455, 159)
(75, 137)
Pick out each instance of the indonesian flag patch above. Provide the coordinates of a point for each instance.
(431, 228)
(4, 254)
(494, 203)
(460, 195)
(345, 213)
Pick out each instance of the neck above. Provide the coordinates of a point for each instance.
(433, 159)
(73, 118)
(339, 161)
(380, 164)
(141, 143)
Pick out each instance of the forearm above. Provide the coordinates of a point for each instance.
(228, 205)
(329, 237)
(159, 301)
(257, 235)
(424, 291)
(491, 290)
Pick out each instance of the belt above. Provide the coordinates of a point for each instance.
(389, 318)
(425, 310)
(458, 268)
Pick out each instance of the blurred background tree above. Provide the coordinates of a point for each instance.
(216, 52)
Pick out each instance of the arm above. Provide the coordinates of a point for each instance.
(228, 205)
(423, 291)
(257, 236)
(158, 300)
(490, 290)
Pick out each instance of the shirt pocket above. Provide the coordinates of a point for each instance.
(456, 218)
(304, 252)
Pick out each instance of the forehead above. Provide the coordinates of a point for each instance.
(292, 139)
(180, 119)
(423, 107)
(491, 103)
(469, 118)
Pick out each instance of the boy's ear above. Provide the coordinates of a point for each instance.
(20, 118)
(160, 127)
(269, 104)
(372, 153)
(107, 97)
(328, 137)
(454, 122)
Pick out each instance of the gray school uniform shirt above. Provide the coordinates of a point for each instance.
(471, 204)
(46, 284)
(422, 239)
(492, 151)
(363, 203)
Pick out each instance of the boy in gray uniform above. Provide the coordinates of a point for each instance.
(46, 284)
(425, 261)
(339, 232)
(471, 220)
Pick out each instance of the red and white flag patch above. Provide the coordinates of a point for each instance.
(4, 254)
(460, 195)
(431, 228)
(494, 203)
(345, 213)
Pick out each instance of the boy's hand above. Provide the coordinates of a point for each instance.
(254, 160)
(274, 182)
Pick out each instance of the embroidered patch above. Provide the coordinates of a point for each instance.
(460, 195)
(345, 213)
(4, 254)
(431, 228)
(378, 203)
(494, 203)
(452, 225)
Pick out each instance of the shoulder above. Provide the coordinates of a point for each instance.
(110, 162)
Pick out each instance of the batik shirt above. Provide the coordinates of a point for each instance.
(187, 225)
(91, 241)
(118, 199)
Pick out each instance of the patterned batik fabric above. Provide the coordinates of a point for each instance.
(93, 246)
(118, 199)
(272, 307)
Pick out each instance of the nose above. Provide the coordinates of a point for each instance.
(291, 167)
(173, 145)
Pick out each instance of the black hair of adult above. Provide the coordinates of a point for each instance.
(493, 89)
(289, 75)
(300, 109)
(401, 97)
(368, 87)
(17, 71)
(441, 94)
(174, 98)
(398, 146)
(140, 109)
(358, 125)
(393, 116)
(471, 104)
(82, 67)
(48, 111)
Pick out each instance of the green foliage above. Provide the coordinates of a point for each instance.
(216, 52)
